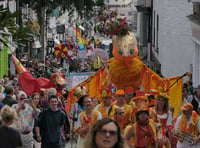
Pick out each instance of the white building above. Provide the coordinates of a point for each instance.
(195, 25)
(171, 36)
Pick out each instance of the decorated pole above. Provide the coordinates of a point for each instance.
(19, 67)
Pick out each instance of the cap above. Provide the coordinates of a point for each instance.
(139, 93)
(129, 90)
(120, 92)
(187, 106)
(21, 93)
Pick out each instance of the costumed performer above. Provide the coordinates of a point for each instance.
(86, 120)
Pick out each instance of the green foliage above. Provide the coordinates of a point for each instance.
(8, 28)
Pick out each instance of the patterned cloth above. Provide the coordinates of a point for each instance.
(25, 120)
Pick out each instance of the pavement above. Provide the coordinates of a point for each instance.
(70, 144)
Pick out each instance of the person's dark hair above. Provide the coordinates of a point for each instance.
(42, 94)
(185, 85)
(166, 106)
(8, 90)
(90, 140)
(35, 94)
(96, 98)
(80, 101)
(52, 96)
(137, 114)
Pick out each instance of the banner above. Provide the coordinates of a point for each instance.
(77, 78)
(171, 85)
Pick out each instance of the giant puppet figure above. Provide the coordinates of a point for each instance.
(125, 67)
(29, 84)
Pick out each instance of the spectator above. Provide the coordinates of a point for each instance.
(9, 137)
(26, 115)
(105, 133)
(35, 100)
(49, 123)
(95, 101)
(8, 100)
(196, 101)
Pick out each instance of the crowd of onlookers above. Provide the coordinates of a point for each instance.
(22, 111)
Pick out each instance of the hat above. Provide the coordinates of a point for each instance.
(187, 106)
(21, 93)
(140, 96)
(105, 93)
(139, 93)
(163, 95)
(129, 90)
(142, 106)
(120, 92)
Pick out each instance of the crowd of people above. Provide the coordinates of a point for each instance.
(124, 119)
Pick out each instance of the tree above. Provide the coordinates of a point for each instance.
(46, 7)
(9, 28)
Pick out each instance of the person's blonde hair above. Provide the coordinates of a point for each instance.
(51, 91)
(8, 114)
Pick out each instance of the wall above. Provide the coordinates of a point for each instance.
(174, 36)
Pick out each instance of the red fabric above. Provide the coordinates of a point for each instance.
(29, 84)
(144, 137)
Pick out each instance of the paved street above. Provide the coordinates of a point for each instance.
(70, 145)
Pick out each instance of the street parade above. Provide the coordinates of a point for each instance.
(99, 74)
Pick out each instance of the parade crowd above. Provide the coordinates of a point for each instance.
(121, 119)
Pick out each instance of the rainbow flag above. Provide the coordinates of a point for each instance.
(80, 40)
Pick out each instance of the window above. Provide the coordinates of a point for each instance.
(157, 30)
(154, 28)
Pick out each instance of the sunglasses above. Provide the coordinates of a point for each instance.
(120, 113)
(36, 98)
(104, 132)
(22, 99)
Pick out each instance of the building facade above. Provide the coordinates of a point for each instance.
(171, 36)
(195, 27)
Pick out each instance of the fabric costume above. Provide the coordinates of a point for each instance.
(144, 138)
(105, 111)
(83, 121)
(166, 121)
(192, 126)
(127, 114)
